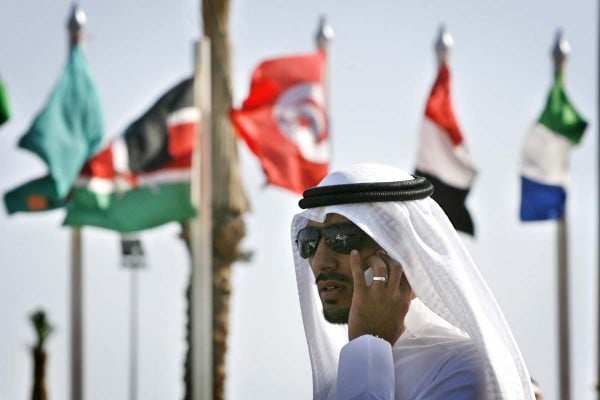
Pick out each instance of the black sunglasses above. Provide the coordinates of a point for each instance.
(342, 238)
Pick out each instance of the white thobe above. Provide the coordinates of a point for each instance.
(416, 368)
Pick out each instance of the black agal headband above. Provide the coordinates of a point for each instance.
(414, 189)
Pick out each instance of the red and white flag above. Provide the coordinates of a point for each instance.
(284, 120)
(443, 157)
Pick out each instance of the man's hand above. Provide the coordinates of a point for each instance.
(378, 309)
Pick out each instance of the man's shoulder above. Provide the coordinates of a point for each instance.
(435, 347)
(438, 363)
(435, 341)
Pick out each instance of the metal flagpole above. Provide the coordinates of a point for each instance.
(564, 359)
(323, 40)
(598, 232)
(201, 234)
(560, 52)
(77, 19)
(76, 316)
(133, 333)
(133, 258)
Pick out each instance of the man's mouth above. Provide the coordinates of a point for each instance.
(331, 290)
(331, 285)
(332, 277)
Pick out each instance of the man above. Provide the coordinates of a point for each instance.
(399, 310)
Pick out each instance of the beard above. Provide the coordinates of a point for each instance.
(337, 315)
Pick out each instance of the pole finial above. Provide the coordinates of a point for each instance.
(75, 23)
(443, 44)
(324, 33)
(561, 49)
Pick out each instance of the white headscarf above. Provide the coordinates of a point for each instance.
(442, 274)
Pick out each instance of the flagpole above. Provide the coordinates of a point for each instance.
(133, 332)
(559, 54)
(76, 316)
(132, 255)
(323, 40)
(598, 237)
(77, 19)
(201, 234)
(564, 358)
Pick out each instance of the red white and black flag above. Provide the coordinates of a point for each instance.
(284, 120)
(443, 157)
(155, 138)
(142, 178)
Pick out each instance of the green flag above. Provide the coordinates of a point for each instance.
(64, 134)
(36, 195)
(135, 208)
(4, 108)
(68, 130)
(560, 116)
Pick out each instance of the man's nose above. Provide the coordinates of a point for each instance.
(324, 258)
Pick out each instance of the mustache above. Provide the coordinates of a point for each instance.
(334, 276)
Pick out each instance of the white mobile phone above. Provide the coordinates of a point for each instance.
(368, 276)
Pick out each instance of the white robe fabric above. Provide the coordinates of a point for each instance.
(452, 294)
(431, 364)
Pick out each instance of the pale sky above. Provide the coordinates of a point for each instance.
(382, 67)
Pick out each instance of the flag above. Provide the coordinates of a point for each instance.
(142, 178)
(284, 120)
(68, 130)
(36, 195)
(544, 175)
(443, 157)
(4, 107)
(64, 135)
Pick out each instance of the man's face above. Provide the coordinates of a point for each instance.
(333, 274)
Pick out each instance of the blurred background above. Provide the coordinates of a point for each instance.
(382, 66)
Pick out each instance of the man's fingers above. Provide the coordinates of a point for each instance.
(394, 269)
(385, 270)
(357, 272)
(380, 270)
(405, 288)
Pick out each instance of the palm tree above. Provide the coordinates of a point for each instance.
(229, 201)
(42, 330)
